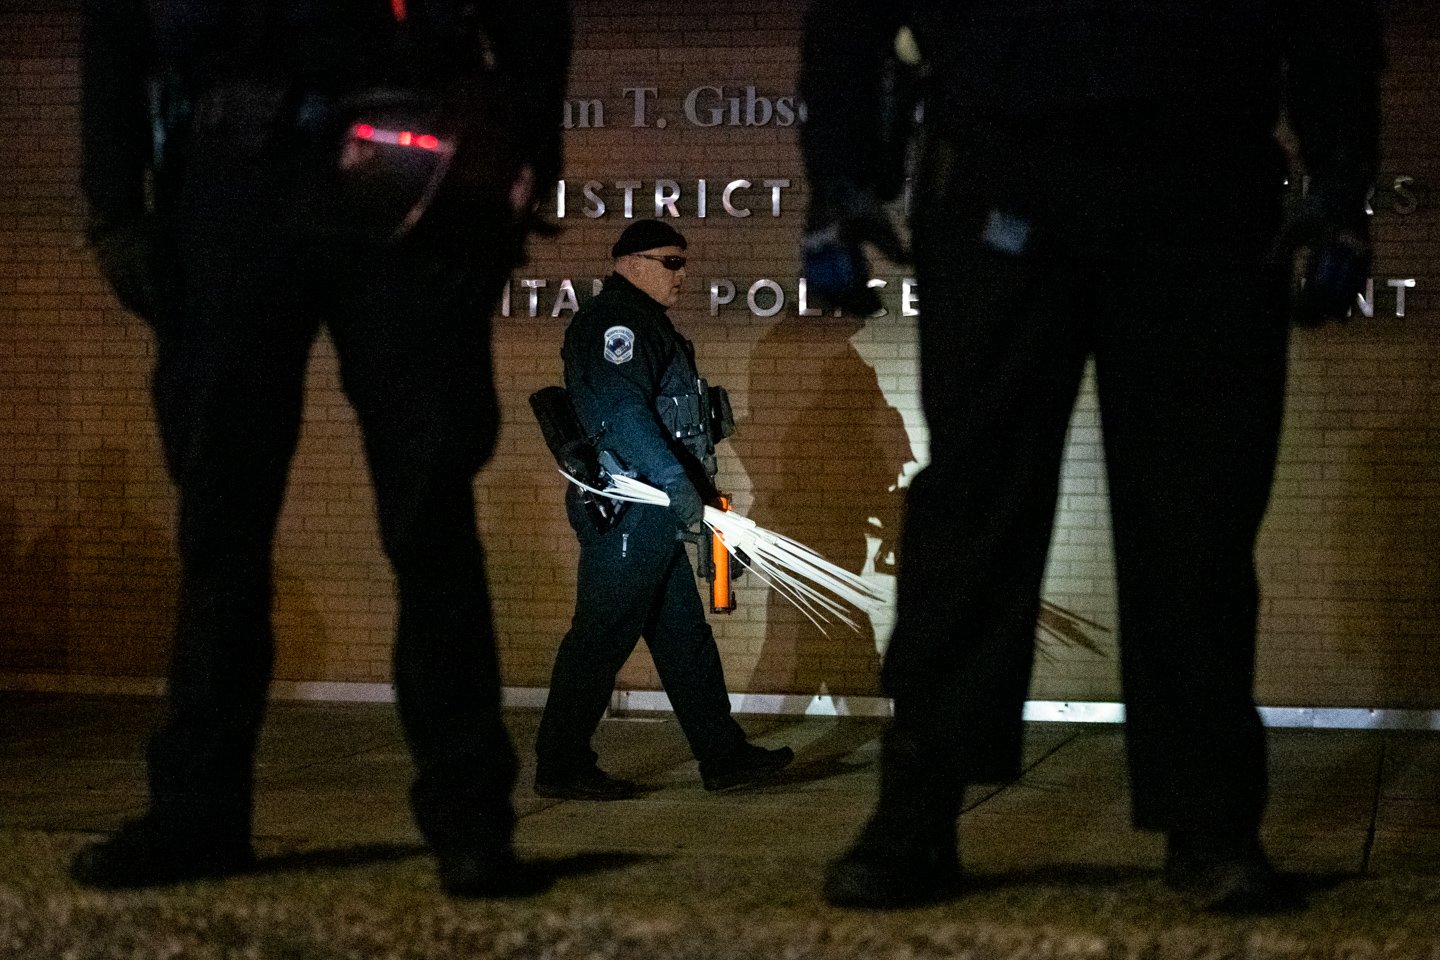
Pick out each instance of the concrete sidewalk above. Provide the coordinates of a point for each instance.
(1348, 806)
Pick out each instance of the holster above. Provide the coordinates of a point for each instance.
(575, 452)
(721, 417)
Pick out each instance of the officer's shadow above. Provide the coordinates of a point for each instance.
(96, 586)
(823, 450)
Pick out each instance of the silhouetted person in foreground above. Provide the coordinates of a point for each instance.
(1097, 180)
(365, 166)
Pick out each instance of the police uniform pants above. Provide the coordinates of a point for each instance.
(1190, 362)
(635, 580)
(410, 329)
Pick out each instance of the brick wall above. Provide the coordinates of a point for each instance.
(828, 422)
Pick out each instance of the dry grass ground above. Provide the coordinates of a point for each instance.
(682, 874)
(382, 901)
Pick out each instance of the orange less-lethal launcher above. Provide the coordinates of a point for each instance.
(722, 592)
(712, 561)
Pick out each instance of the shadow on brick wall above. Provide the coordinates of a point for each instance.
(93, 593)
(1383, 590)
(823, 449)
(302, 646)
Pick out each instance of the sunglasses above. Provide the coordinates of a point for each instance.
(671, 262)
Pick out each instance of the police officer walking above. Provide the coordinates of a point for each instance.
(634, 384)
(261, 221)
(1098, 180)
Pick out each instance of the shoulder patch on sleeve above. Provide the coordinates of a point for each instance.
(619, 344)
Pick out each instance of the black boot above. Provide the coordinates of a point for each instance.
(744, 766)
(145, 853)
(470, 828)
(906, 855)
(490, 871)
(1223, 872)
(591, 783)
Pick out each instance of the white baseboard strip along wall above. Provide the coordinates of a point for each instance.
(642, 704)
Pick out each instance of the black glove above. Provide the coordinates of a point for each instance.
(1330, 249)
(843, 216)
(741, 564)
(685, 501)
(129, 258)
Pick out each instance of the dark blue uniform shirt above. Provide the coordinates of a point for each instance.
(632, 378)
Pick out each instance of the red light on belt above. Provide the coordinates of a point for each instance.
(398, 138)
